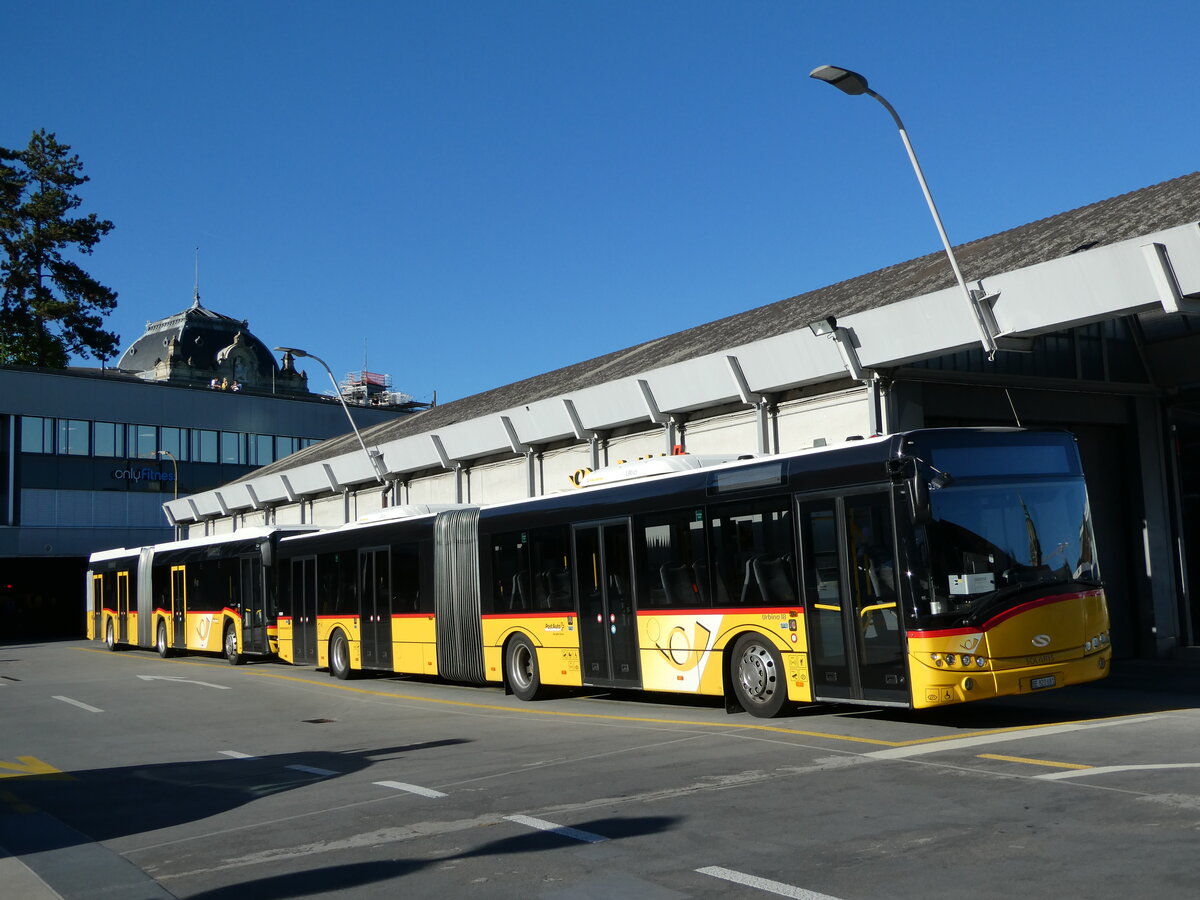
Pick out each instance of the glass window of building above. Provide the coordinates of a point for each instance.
(174, 441)
(143, 441)
(204, 445)
(37, 435)
(74, 437)
(262, 449)
(233, 448)
(108, 439)
(286, 446)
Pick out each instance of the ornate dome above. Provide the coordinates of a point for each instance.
(199, 346)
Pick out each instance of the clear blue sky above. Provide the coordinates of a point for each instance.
(469, 193)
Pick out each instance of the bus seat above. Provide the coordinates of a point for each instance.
(677, 584)
(774, 577)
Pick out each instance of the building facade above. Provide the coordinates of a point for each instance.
(89, 455)
(1096, 312)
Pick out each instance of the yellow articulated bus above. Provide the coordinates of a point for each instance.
(915, 570)
(205, 595)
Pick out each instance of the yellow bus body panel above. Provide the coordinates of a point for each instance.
(555, 639)
(685, 652)
(1031, 648)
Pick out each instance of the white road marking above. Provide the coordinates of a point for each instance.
(237, 754)
(411, 788)
(543, 825)
(985, 739)
(763, 884)
(78, 703)
(219, 687)
(313, 770)
(1105, 770)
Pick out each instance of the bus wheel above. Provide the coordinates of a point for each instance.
(521, 667)
(231, 647)
(160, 642)
(110, 639)
(756, 670)
(339, 656)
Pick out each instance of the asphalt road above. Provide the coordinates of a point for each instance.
(123, 775)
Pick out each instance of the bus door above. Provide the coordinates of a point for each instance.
(179, 606)
(122, 606)
(253, 608)
(96, 628)
(375, 591)
(855, 634)
(604, 594)
(304, 610)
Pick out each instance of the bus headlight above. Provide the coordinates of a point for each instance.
(949, 659)
(980, 661)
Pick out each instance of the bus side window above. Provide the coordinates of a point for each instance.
(753, 553)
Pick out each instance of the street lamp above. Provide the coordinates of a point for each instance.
(174, 466)
(374, 458)
(852, 83)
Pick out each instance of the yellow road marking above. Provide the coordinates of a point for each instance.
(1033, 762)
(613, 717)
(15, 803)
(30, 765)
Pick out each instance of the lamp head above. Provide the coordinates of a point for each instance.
(843, 79)
(823, 326)
(295, 351)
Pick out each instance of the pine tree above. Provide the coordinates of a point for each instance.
(50, 307)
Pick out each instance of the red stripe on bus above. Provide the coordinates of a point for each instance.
(725, 611)
(1005, 615)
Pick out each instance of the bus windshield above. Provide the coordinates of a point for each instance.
(989, 538)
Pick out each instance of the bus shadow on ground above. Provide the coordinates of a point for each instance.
(40, 813)
(349, 876)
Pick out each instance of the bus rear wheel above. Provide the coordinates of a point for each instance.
(339, 656)
(521, 668)
(756, 670)
(160, 641)
(231, 646)
(110, 638)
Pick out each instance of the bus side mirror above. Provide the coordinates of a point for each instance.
(268, 552)
(918, 498)
(905, 469)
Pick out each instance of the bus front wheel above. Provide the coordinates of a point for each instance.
(756, 670)
(339, 656)
(231, 646)
(160, 641)
(521, 667)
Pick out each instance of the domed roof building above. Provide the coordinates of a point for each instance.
(202, 347)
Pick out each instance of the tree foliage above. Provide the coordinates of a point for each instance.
(50, 307)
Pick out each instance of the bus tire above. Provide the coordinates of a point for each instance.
(521, 669)
(110, 637)
(756, 670)
(230, 646)
(339, 656)
(160, 640)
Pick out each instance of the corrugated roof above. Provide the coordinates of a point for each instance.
(1166, 205)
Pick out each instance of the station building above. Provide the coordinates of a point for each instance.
(89, 455)
(1096, 316)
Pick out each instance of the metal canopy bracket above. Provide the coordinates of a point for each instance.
(254, 501)
(334, 484)
(1166, 284)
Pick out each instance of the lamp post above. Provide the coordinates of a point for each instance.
(852, 83)
(174, 467)
(372, 458)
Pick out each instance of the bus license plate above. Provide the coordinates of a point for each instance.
(1046, 681)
